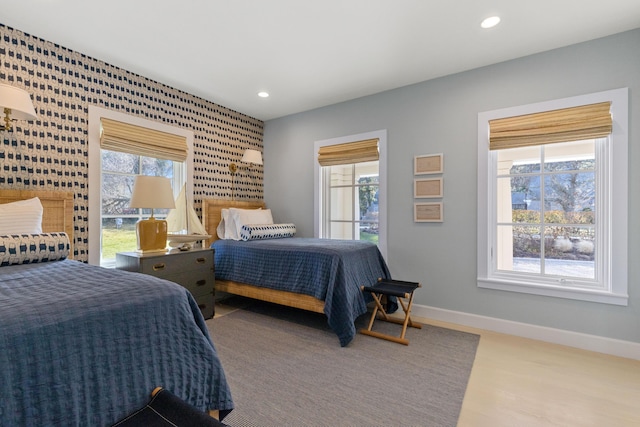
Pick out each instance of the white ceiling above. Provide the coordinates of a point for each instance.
(309, 54)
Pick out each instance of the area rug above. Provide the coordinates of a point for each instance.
(285, 367)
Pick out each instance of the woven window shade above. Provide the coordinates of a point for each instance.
(351, 152)
(568, 124)
(128, 138)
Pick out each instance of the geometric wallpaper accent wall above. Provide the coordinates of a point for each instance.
(51, 153)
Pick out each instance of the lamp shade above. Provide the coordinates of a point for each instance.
(252, 156)
(152, 192)
(18, 101)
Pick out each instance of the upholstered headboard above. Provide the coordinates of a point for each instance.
(212, 213)
(57, 209)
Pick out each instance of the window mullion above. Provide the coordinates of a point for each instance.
(543, 211)
(354, 202)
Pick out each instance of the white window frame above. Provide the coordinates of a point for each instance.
(616, 189)
(95, 168)
(381, 135)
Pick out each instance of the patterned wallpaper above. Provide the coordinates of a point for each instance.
(51, 153)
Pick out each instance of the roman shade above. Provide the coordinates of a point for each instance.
(568, 124)
(128, 138)
(348, 153)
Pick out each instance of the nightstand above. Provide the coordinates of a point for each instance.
(192, 269)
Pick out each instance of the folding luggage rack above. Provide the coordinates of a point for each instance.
(403, 291)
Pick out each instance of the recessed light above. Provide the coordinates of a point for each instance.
(490, 22)
(263, 94)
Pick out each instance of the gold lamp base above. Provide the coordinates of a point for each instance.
(152, 235)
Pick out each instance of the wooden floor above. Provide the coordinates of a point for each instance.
(521, 382)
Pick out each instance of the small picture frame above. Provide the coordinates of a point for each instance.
(428, 164)
(427, 212)
(427, 188)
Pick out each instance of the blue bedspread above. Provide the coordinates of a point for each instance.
(330, 270)
(85, 346)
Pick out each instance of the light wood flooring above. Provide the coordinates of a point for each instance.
(522, 382)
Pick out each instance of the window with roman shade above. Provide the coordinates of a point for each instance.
(351, 190)
(563, 125)
(552, 207)
(349, 153)
(122, 147)
(133, 139)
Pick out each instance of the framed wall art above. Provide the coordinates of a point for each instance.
(427, 212)
(428, 164)
(427, 188)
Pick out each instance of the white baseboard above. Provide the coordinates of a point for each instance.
(628, 349)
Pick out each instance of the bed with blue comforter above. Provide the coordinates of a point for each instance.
(82, 345)
(329, 270)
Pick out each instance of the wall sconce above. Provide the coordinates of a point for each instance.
(16, 104)
(250, 156)
(253, 157)
(152, 192)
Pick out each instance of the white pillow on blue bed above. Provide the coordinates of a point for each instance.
(22, 217)
(227, 228)
(239, 217)
(222, 227)
(230, 230)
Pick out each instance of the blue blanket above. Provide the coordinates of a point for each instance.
(84, 346)
(330, 270)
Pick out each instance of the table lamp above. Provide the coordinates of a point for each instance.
(152, 192)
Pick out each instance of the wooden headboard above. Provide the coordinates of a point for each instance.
(57, 209)
(212, 213)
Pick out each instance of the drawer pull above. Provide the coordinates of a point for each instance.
(159, 266)
(200, 260)
(201, 282)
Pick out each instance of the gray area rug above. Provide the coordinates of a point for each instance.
(285, 367)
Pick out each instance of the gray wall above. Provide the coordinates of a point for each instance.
(441, 116)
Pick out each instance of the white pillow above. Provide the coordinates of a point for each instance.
(221, 230)
(240, 217)
(230, 229)
(22, 217)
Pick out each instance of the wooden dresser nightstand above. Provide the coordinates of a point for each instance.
(192, 269)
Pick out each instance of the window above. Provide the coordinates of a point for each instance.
(351, 188)
(111, 221)
(351, 203)
(552, 212)
(546, 220)
(118, 220)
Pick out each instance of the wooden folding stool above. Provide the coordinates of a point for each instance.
(403, 291)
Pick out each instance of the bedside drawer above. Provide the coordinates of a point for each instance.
(164, 266)
(193, 270)
(198, 282)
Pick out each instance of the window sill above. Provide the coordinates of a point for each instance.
(553, 291)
